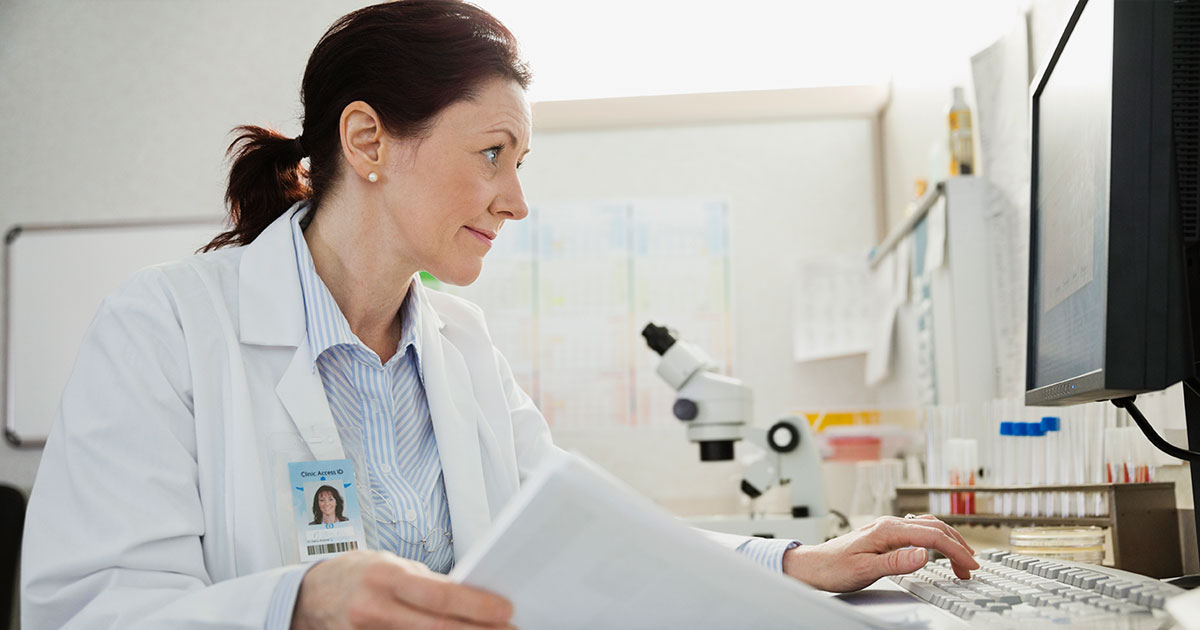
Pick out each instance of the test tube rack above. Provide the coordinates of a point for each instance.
(1141, 517)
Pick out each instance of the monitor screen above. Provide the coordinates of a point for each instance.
(1068, 281)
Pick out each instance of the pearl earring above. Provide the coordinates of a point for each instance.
(372, 177)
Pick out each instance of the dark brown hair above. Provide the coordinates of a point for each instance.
(338, 507)
(408, 59)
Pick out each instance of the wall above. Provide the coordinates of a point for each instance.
(97, 141)
(795, 189)
(88, 138)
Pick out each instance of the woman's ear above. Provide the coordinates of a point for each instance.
(362, 136)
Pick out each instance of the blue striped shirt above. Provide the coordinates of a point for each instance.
(383, 420)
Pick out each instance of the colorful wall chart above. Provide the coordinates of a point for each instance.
(568, 291)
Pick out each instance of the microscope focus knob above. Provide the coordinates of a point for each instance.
(783, 437)
(686, 409)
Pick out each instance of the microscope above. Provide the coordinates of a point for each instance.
(717, 410)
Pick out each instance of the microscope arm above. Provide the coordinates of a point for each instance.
(789, 456)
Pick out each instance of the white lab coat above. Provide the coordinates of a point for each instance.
(162, 497)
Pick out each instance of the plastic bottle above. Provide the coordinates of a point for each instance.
(962, 149)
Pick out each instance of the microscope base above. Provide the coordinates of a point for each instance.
(809, 531)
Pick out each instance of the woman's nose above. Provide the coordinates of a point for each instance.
(510, 203)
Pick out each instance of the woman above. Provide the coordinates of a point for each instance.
(302, 337)
(327, 507)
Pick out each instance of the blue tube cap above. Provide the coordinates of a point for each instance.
(1036, 429)
(1051, 423)
(1006, 428)
(1020, 428)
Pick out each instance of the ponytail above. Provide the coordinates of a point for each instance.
(265, 179)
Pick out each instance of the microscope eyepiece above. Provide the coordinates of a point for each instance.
(658, 338)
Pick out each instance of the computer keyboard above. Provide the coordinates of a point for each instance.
(1011, 591)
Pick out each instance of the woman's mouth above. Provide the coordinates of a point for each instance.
(484, 237)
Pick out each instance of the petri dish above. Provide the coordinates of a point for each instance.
(1077, 544)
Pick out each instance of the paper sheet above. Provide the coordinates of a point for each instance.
(576, 549)
(1001, 75)
(833, 308)
(890, 288)
(879, 359)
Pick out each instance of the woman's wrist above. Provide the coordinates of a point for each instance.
(794, 564)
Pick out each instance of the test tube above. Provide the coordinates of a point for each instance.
(1037, 465)
(1055, 465)
(1106, 417)
(954, 467)
(1021, 442)
(971, 464)
(1008, 465)
(932, 444)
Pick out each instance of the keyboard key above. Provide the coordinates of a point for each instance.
(1052, 572)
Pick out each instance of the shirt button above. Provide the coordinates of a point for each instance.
(385, 469)
(410, 515)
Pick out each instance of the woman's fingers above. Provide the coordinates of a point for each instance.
(907, 533)
(902, 561)
(436, 594)
(400, 616)
(375, 589)
(930, 520)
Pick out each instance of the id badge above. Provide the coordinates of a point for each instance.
(325, 503)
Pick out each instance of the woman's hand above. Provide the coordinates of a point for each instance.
(376, 589)
(888, 546)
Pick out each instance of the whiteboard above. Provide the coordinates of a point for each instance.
(55, 278)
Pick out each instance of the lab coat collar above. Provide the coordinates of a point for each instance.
(271, 313)
(270, 302)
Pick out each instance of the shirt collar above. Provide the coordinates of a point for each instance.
(326, 325)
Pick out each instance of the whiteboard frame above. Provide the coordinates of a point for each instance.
(10, 236)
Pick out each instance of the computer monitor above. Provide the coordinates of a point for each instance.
(1114, 232)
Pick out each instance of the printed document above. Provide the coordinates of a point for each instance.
(577, 550)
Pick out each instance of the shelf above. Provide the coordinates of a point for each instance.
(1079, 487)
(853, 101)
(1134, 510)
(1023, 521)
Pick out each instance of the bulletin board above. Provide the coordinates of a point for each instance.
(55, 279)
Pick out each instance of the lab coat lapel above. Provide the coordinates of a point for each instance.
(271, 306)
(455, 425)
(303, 395)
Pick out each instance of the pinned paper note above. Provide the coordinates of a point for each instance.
(833, 309)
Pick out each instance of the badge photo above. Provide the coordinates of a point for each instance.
(325, 504)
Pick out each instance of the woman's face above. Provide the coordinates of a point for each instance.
(448, 194)
(327, 503)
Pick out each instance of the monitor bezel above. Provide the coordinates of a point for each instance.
(1138, 330)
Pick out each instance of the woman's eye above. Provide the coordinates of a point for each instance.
(492, 154)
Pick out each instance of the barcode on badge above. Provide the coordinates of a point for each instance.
(332, 547)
